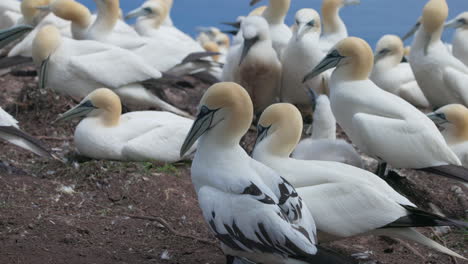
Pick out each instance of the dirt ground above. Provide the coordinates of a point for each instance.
(101, 212)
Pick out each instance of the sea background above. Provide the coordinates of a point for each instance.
(370, 20)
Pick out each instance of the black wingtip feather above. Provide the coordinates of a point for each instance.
(420, 218)
(327, 256)
(13, 131)
(450, 171)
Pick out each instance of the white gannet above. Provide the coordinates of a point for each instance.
(76, 68)
(255, 213)
(441, 76)
(10, 13)
(323, 144)
(392, 75)
(134, 136)
(454, 120)
(275, 15)
(348, 201)
(460, 39)
(213, 40)
(302, 54)
(334, 29)
(254, 64)
(379, 123)
(10, 132)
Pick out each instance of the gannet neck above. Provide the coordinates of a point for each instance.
(359, 59)
(108, 16)
(284, 124)
(276, 11)
(169, 3)
(32, 16)
(332, 22)
(78, 14)
(109, 103)
(434, 15)
(46, 42)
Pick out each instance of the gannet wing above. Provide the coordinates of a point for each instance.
(455, 82)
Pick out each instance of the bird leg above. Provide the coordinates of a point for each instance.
(381, 169)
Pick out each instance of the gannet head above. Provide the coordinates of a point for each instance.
(434, 15)
(70, 10)
(282, 124)
(461, 21)
(307, 20)
(156, 10)
(46, 42)
(333, 5)
(223, 40)
(226, 111)
(389, 46)
(212, 47)
(258, 11)
(352, 56)
(102, 102)
(455, 114)
(32, 15)
(254, 29)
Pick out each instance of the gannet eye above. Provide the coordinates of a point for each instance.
(298, 22)
(311, 23)
(462, 21)
(149, 10)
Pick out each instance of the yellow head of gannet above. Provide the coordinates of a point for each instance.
(32, 15)
(330, 10)
(461, 21)
(158, 11)
(307, 20)
(434, 15)
(102, 102)
(226, 108)
(391, 47)
(70, 10)
(283, 123)
(455, 114)
(47, 40)
(352, 57)
(223, 40)
(212, 47)
(258, 11)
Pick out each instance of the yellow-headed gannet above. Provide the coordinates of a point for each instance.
(254, 64)
(256, 214)
(379, 123)
(134, 136)
(348, 201)
(392, 75)
(76, 68)
(334, 29)
(441, 76)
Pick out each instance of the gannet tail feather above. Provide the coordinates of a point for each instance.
(450, 171)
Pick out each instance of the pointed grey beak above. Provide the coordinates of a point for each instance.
(262, 133)
(232, 24)
(203, 123)
(43, 73)
(230, 32)
(455, 23)
(248, 43)
(330, 61)
(438, 118)
(139, 12)
(80, 110)
(11, 34)
(254, 2)
(45, 8)
(411, 32)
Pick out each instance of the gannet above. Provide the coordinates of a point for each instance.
(275, 14)
(254, 64)
(255, 213)
(10, 131)
(323, 144)
(460, 39)
(10, 13)
(334, 29)
(351, 201)
(454, 120)
(440, 75)
(379, 123)
(76, 68)
(213, 40)
(135, 136)
(392, 75)
(302, 54)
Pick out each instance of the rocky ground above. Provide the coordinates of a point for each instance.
(101, 212)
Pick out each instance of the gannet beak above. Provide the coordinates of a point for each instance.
(45, 8)
(203, 123)
(380, 54)
(254, 2)
(203, 29)
(351, 2)
(455, 23)
(230, 32)
(232, 24)
(438, 118)
(82, 109)
(138, 13)
(11, 34)
(248, 43)
(43, 73)
(411, 32)
(330, 61)
(262, 133)
(300, 31)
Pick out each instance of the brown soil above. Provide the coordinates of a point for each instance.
(142, 212)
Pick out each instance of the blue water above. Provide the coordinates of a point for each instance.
(369, 20)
